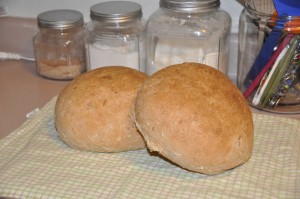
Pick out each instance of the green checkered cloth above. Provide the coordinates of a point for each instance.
(34, 163)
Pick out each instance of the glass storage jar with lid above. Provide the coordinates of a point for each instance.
(269, 58)
(188, 31)
(115, 35)
(59, 44)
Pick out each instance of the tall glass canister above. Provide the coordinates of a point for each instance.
(115, 35)
(269, 60)
(187, 31)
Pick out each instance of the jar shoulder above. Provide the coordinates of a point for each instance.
(115, 28)
(208, 21)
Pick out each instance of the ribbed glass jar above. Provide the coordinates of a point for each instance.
(187, 31)
(115, 35)
(59, 44)
(269, 61)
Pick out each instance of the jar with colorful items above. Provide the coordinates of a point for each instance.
(269, 59)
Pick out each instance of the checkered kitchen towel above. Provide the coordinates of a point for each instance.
(34, 163)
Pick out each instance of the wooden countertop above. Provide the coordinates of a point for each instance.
(23, 90)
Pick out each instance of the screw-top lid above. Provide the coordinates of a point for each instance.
(116, 11)
(189, 5)
(60, 19)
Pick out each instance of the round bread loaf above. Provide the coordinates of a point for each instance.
(95, 111)
(194, 116)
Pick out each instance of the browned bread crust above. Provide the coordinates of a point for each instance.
(194, 116)
(95, 111)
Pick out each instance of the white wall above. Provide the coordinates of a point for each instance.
(31, 8)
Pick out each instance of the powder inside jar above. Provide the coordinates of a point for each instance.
(101, 55)
(60, 69)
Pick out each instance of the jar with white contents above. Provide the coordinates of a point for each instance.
(115, 35)
(188, 31)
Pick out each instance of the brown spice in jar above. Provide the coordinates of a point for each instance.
(60, 69)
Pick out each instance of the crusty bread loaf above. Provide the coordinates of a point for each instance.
(194, 116)
(95, 111)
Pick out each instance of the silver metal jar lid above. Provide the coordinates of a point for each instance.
(116, 11)
(189, 5)
(60, 19)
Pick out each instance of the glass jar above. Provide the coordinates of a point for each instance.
(268, 60)
(188, 31)
(115, 35)
(59, 44)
